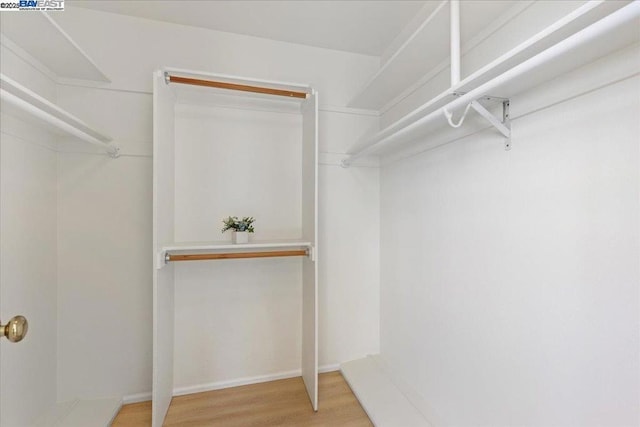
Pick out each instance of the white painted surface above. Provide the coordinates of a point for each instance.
(382, 400)
(515, 298)
(218, 246)
(426, 48)
(98, 229)
(81, 413)
(22, 102)
(14, 66)
(528, 21)
(127, 116)
(243, 162)
(239, 163)
(309, 192)
(59, 53)
(349, 263)
(27, 257)
(613, 32)
(164, 204)
(92, 413)
(365, 27)
(152, 44)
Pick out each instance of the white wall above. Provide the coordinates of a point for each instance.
(104, 305)
(27, 259)
(510, 297)
(242, 317)
(128, 50)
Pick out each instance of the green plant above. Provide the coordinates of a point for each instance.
(235, 224)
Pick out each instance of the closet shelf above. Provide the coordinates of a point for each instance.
(23, 103)
(60, 55)
(410, 62)
(510, 75)
(225, 246)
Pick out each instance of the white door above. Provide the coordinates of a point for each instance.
(27, 275)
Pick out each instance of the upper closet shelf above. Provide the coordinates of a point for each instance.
(427, 48)
(515, 72)
(60, 54)
(19, 101)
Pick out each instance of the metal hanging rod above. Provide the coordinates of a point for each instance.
(234, 255)
(233, 86)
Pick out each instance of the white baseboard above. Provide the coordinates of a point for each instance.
(136, 398)
(218, 385)
(329, 368)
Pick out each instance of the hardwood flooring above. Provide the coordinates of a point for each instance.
(275, 403)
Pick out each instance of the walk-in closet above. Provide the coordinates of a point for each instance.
(397, 213)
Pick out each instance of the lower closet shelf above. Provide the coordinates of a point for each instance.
(381, 399)
(81, 413)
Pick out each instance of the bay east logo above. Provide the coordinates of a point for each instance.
(20, 5)
(41, 4)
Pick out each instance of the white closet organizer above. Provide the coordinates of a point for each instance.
(590, 32)
(231, 146)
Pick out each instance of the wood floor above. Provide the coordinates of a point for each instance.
(276, 403)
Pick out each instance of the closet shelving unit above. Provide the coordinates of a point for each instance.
(590, 32)
(27, 105)
(173, 89)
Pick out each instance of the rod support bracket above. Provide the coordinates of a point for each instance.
(311, 253)
(114, 152)
(503, 126)
(507, 122)
(167, 77)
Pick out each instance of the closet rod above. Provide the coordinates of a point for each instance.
(234, 86)
(234, 255)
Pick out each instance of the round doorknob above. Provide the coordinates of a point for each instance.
(16, 329)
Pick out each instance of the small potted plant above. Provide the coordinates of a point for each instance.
(241, 228)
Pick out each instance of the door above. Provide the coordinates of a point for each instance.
(28, 273)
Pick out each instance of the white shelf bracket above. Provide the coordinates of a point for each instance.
(311, 253)
(161, 259)
(504, 126)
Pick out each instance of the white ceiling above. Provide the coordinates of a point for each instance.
(366, 27)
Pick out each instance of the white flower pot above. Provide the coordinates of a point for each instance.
(240, 237)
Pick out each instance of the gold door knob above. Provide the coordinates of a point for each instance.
(16, 329)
